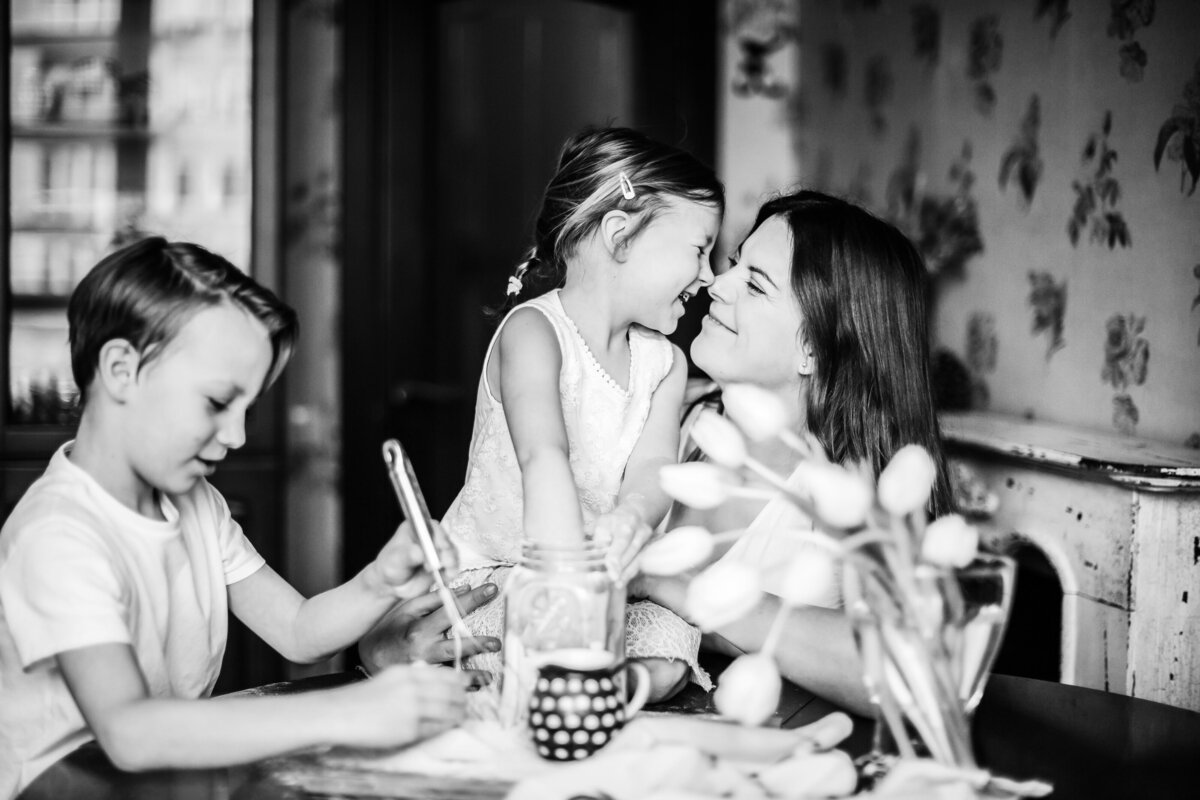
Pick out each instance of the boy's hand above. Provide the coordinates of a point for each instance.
(402, 705)
(399, 569)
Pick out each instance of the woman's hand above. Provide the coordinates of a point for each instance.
(415, 630)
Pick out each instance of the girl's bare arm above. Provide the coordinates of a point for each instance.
(530, 363)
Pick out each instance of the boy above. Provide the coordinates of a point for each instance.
(119, 565)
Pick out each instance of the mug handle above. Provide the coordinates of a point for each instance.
(641, 692)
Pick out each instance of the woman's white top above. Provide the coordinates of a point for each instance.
(769, 543)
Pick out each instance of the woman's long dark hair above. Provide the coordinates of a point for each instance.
(861, 286)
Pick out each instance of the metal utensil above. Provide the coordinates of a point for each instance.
(412, 502)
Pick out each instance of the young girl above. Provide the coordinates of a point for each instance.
(118, 566)
(578, 404)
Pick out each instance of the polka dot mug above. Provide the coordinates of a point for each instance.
(578, 702)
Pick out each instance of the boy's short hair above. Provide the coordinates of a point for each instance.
(147, 291)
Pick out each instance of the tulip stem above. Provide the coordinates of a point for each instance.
(752, 493)
(728, 536)
(796, 443)
(775, 631)
(773, 478)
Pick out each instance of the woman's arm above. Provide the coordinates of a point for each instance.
(529, 368)
(816, 649)
(140, 732)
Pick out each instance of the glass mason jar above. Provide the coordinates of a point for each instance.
(561, 603)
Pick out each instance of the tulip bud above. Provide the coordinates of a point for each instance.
(828, 774)
(759, 413)
(719, 439)
(950, 541)
(809, 577)
(840, 498)
(678, 551)
(695, 484)
(907, 480)
(722, 593)
(748, 690)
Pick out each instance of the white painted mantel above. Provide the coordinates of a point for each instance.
(1119, 520)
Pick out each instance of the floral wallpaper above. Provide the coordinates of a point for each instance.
(1026, 146)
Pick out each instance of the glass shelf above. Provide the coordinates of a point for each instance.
(78, 130)
(112, 136)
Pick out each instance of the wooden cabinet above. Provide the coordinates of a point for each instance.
(1118, 519)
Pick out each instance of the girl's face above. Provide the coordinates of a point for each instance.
(668, 261)
(752, 331)
(188, 408)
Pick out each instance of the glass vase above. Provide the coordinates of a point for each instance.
(927, 642)
(986, 585)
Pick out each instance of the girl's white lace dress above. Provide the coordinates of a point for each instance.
(603, 423)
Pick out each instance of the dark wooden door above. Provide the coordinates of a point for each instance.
(455, 114)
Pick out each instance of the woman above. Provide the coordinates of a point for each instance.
(825, 306)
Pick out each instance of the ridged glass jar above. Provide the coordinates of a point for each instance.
(557, 598)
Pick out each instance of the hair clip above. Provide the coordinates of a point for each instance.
(626, 186)
(514, 286)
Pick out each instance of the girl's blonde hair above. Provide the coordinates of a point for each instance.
(602, 170)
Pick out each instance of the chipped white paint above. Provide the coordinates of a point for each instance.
(1119, 521)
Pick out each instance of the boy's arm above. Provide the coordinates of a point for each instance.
(140, 732)
(529, 367)
(309, 630)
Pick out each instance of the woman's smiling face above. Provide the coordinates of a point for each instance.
(752, 331)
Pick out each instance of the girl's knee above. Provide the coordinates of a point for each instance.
(667, 677)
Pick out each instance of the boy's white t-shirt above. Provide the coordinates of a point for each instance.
(78, 568)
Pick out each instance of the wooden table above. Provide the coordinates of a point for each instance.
(1091, 745)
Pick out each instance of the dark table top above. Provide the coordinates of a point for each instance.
(1091, 745)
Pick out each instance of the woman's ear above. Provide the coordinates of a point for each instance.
(806, 365)
(117, 368)
(614, 233)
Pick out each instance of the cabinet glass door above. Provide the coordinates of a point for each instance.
(127, 118)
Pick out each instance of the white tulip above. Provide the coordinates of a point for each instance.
(758, 412)
(722, 593)
(678, 551)
(907, 480)
(950, 541)
(748, 690)
(719, 439)
(695, 484)
(841, 498)
(809, 577)
(829, 774)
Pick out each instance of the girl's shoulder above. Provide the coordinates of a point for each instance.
(653, 352)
